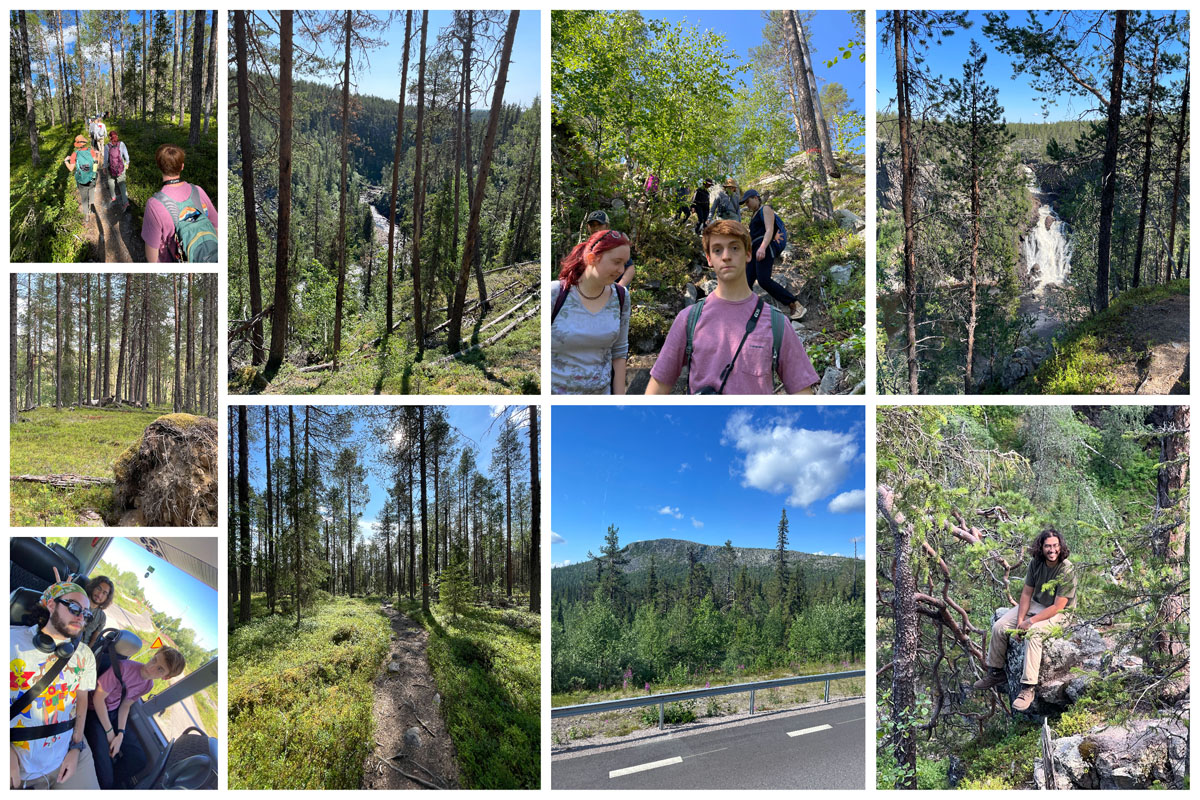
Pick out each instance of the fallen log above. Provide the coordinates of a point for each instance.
(64, 481)
(240, 329)
(494, 339)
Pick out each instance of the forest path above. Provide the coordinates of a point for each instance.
(1158, 335)
(110, 230)
(410, 734)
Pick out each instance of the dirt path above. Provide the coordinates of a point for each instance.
(1158, 338)
(410, 735)
(110, 230)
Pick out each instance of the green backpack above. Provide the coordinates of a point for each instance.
(195, 237)
(85, 167)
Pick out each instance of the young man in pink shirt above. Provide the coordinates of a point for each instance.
(733, 344)
(118, 756)
(158, 229)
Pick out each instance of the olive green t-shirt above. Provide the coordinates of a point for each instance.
(1049, 582)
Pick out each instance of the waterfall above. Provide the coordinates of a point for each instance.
(1045, 248)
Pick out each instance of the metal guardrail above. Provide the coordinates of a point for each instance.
(661, 700)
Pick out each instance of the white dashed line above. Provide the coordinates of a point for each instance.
(810, 730)
(666, 762)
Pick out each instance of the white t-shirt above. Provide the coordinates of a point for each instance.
(25, 665)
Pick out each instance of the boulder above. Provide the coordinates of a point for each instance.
(840, 273)
(848, 220)
(692, 294)
(1136, 755)
(708, 287)
(169, 476)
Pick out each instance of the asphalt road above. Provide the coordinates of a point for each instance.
(818, 749)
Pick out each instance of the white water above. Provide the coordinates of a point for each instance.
(1045, 248)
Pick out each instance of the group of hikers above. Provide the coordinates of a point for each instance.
(179, 222)
(70, 723)
(719, 338)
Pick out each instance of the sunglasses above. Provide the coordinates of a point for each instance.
(77, 609)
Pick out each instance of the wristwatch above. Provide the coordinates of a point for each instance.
(81, 746)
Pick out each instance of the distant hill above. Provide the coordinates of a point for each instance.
(671, 561)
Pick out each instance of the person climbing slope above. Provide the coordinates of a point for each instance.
(116, 162)
(767, 237)
(180, 223)
(84, 163)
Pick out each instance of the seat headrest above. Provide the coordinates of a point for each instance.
(42, 559)
(23, 604)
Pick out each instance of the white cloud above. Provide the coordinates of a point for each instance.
(804, 464)
(838, 555)
(671, 512)
(819, 553)
(697, 523)
(555, 538)
(848, 502)
(564, 563)
(367, 527)
(684, 467)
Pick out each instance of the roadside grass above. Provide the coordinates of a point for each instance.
(79, 441)
(1084, 358)
(621, 723)
(487, 666)
(300, 701)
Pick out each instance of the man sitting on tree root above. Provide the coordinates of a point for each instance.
(1049, 590)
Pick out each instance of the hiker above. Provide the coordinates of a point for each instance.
(52, 672)
(767, 240)
(700, 205)
(100, 593)
(84, 162)
(119, 758)
(1049, 590)
(180, 222)
(116, 162)
(101, 133)
(732, 341)
(598, 221)
(589, 318)
(721, 204)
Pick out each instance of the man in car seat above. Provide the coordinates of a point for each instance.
(57, 756)
(119, 757)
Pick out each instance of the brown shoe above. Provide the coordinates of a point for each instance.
(995, 677)
(797, 311)
(1024, 699)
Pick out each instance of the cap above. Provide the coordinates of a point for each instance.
(597, 216)
(749, 193)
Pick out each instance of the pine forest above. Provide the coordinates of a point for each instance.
(385, 175)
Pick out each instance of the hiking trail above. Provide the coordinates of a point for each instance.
(110, 231)
(1157, 336)
(410, 734)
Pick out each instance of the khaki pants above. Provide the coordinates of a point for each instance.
(84, 776)
(1034, 639)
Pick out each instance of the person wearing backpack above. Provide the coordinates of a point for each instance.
(598, 221)
(180, 222)
(84, 163)
(101, 133)
(589, 318)
(768, 238)
(733, 342)
(116, 162)
(51, 673)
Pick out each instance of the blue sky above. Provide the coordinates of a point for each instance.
(476, 425)
(743, 30)
(1021, 102)
(379, 74)
(707, 474)
(170, 590)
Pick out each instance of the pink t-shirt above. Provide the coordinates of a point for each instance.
(135, 684)
(718, 332)
(157, 225)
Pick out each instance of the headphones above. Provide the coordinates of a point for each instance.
(47, 645)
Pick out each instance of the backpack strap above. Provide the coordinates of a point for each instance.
(558, 301)
(170, 205)
(777, 323)
(693, 319)
(622, 293)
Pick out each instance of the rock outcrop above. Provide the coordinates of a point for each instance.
(1136, 755)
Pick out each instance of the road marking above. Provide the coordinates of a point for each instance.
(856, 719)
(706, 752)
(666, 762)
(810, 730)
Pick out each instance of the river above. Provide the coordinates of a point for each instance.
(1046, 251)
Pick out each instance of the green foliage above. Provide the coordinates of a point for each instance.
(488, 673)
(299, 701)
(680, 713)
(1003, 758)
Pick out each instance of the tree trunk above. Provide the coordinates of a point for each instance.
(1108, 191)
(144, 15)
(419, 197)
(57, 340)
(1178, 171)
(1170, 544)
(822, 204)
(822, 126)
(396, 170)
(30, 114)
(279, 315)
(454, 333)
(341, 281)
(243, 488)
(907, 189)
(175, 73)
(905, 641)
(197, 85)
(535, 504)
(1145, 199)
(248, 201)
(210, 84)
(12, 349)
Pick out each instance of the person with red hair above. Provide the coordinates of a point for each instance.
(589, 320)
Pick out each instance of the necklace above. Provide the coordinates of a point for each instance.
(590, 297)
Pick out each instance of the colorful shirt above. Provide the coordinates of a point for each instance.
(158, 229)
(26, 664)
(1049, 582)
(583, 344)
(135, 684)
(718, 332)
